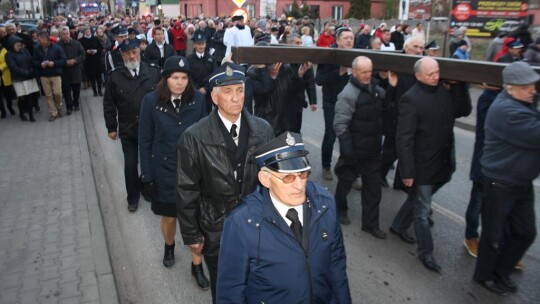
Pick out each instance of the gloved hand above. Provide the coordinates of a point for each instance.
(149, 191)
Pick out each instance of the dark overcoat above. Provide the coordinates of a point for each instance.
(93, 65)
(425, 132)
(73, 50)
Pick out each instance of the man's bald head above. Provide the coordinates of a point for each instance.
(426, 71)
(362, 68)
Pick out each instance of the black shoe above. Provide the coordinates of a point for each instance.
(384, 183)
(344, 219)
(198, 272)
(32, 119)
(404, 236)
(68, 112)
(77, 108)
(492, 286)
(375, 232)
(430, 222)
(11, 111)
(508, 283)
(95, 94)
(23, 117)
(38, 109)
(168, 257)
(100, 93)
(133, 207)
(430, 264)
(3, 116)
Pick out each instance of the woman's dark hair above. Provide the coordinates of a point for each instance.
(164, 94)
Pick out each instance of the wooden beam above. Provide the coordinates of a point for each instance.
(451, 69)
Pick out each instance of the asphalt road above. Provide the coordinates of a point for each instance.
(380, 271)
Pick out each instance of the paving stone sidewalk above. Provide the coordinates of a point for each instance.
(52, 240)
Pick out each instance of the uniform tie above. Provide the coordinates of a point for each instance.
(176, 103)
(233, 132)
(135, 73)
(296, 227)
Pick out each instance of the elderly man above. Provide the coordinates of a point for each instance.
(72, 72)
(215, 167)
(425, 148)
(412, 46)
(358, 127)
(510, 162)
(126, 86)
(432, 49)
(266, 240)
(363, 40)
(49, 60)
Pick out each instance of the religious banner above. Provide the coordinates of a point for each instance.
(486, 18)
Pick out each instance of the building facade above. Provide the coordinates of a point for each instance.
(336, 9)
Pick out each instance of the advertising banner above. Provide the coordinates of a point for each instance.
(486, 18)
(419, 9)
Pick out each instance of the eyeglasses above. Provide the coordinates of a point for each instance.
(290, 178)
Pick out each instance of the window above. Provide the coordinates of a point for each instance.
(250, 8)
(337, 12)
(200, 10)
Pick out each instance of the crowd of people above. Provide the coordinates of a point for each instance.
(220, 148)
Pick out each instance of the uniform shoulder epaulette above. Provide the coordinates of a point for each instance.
(114, 69)
(154, 65)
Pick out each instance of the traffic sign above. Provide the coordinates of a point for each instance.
(240, 12)
(239, 3)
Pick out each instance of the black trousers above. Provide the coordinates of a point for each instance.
(212, 264)
(6, 92)
(507, 209)
(95, 81)
(369, 169)
(71, 92)
(389, 155)
(130, 147)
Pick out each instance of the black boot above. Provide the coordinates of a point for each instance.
(198, 272)
(31, 117)
(21, 104)
(168, 257)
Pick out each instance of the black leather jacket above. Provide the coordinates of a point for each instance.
(123, 98)
(206, 190)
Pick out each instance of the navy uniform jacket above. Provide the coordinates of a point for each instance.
(261, 261)
(160, 127)
(123, 98)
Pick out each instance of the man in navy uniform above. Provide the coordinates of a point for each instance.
(284, 243)
(126, 87)
(215, 167)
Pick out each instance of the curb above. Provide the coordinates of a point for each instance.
(105, 277)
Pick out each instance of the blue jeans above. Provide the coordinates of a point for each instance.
(329, 135)
(508, 211)
(415, 210)
(130, 147)
(472, 216)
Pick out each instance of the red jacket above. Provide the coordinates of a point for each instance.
(325, 40)
(178, 37)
